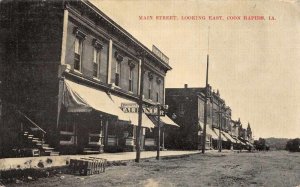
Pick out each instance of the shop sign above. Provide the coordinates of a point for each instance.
(134, 108)
(160, 54)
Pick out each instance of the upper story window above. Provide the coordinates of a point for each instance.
(181, 109)
(158, 81)
(130, 80)
(96, 63)
(119, 59)
(78, 48)
(208, 110)
(131, 75)
(77, 53)
(118, 73)
(150, 90)
(96, 58)
(150, 76)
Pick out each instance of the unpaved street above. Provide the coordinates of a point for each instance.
(212, 169)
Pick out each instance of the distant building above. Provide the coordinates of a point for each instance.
(235, 127)
(249, 133)
(187, 104)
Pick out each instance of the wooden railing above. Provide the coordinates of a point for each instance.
(71, 139)
(96, 139)
(32, 127)
(32, 122)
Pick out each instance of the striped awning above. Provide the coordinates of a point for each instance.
(82, 98)
(208, 130)
(133, 117)
(229, 137)
(164, 120)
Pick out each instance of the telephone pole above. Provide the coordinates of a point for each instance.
(220, 126)
(140, 102)
(205, 103)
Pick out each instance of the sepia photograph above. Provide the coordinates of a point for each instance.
(149, 93)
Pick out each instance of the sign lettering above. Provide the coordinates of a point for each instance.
(160, 54)
(134, 108)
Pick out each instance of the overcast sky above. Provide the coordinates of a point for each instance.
(253, 63)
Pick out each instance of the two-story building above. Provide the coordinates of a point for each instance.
(68, 71)
(187, 105)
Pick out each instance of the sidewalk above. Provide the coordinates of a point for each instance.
(52, 161)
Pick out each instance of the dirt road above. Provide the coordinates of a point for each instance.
(212, 169)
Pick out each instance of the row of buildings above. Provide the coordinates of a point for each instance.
(187, 107)
(66, 71)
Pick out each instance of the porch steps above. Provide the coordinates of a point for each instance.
(47, 148)
(54, 153)
(89, 150)
(33, 142)
(48, 151)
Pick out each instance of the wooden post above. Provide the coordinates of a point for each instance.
(101, 132)
(110, 56)
(140, 102)
(106, 135)
(220, 120)
(205, 108)
(206, 96)
(163, 137)
(158, 133)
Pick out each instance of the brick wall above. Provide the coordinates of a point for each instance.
(31, 67)
(187, 119)
(87, 51)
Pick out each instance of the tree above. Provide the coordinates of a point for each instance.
(293, 145)
(261, 145)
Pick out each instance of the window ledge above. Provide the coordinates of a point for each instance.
(113, 86)
(97, 79)
(77, 71)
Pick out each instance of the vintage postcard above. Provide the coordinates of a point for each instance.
(149, 93)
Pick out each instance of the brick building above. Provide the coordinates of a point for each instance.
(66, 70)
(187, 106)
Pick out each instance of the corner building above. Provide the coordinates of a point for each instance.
(66, 71)
(186, 106)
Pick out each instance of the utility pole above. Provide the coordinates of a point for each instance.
(205, 103)
(220, 126)
(158, 133)
(205, 108)
(140, 102)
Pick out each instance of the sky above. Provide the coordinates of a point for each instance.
(253, 63)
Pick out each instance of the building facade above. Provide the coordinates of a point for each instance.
(187, 106)
(68, 70)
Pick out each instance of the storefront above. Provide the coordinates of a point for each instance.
(167, 126)
(210, 137)
(92, 120)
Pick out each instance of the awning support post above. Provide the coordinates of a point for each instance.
(158, 133)
(105, 135)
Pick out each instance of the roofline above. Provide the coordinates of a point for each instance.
(109, 20)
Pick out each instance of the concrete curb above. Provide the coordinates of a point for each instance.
(54, 161)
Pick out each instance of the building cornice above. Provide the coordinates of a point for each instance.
(117, 28)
